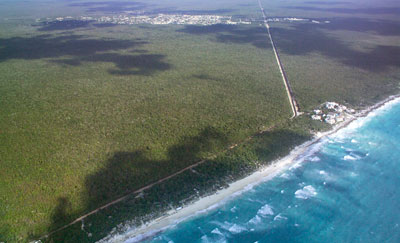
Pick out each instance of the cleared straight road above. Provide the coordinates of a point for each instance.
(289, 91)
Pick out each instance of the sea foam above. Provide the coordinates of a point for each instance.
(306, 192)
(279, 217)
(349, 157)
(255, 220)
(236, 229)
(216, 231)
(265, 210)
(315, 159)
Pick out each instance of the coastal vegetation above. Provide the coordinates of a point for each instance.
(90, 112)
(214, 174)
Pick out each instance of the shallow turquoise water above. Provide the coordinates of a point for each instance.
(347, 190)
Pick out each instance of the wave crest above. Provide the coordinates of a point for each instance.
(306, 192)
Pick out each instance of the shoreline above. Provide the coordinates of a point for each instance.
(204, 204)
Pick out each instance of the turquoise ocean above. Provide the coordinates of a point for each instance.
(346, 188)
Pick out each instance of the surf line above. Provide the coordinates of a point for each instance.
(293, 104)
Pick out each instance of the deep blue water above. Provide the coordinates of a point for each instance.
(347, 190)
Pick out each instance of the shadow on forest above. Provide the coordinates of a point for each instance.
(257, 36)
(125, 172)
(73, 50)
(376, 10)
(60, 213)
(104, 25)
(307, 38)
(64, 25)
(71, 24)
(381, 27)
(204, 76)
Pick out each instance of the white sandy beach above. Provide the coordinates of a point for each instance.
(209, 202)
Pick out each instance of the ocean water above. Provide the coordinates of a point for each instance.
(346, 190)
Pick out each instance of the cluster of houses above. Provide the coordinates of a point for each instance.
(332, 113)
(297, 20)
(181, 19)
(164, 19)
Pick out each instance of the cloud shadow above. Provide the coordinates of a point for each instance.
(74, 50)
(257, 36)
(381, 27)
(64, 25)
(303, 39)
(125, 172)
(104, 25)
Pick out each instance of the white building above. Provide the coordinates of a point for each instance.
(316, 117)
